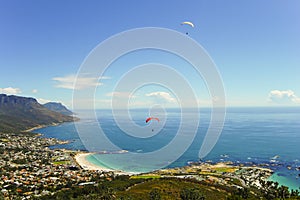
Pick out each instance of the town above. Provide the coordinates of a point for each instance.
(28, 167)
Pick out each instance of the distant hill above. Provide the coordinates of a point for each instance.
(21, 113)
(58, 107)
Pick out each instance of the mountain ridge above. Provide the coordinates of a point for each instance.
(18, 114)
(58, 107)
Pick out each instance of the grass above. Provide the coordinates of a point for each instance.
(63, 162)
(236, 182)
(225, 169)
(170, 189)
(145, 177)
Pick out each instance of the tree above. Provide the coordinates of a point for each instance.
(108, 194)
(244, 193)
(283, 192)
(234, 197)
(191, 194)
(294, 193)
(1, 196)
(155, 194)
(276, 184)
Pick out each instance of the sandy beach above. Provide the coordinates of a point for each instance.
(40, 126)
(81, 160)
(34, 128)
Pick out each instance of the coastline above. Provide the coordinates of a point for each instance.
(88, 165)
(30, 131)
(34, 128)
(41, 126)
(81, 159)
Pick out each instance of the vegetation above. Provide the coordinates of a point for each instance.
(145, 176)
(21, 113)
(153, 188)
(191, 194)
(126, 188)
(63, 162)
(155, 194)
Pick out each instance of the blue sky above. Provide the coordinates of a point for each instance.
(255, 45)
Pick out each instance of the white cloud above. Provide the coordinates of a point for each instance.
(10, 90)
(34, 91)
(82, 82)
(162, 97)
(43, 101)
(283, 97)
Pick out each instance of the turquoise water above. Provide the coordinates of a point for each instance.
(122, 162)
(251, 136)
(282, 179)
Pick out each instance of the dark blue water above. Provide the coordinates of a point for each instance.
(250, 135)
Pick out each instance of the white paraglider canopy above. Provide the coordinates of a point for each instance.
(188, 23)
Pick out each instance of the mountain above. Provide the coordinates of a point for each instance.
(58, 107)
(21, 113)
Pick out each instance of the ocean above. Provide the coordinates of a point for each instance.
(262, 135)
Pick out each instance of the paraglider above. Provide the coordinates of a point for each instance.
(189, 24)
(152, 118)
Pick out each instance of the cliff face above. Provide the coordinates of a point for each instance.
(13, 101)
(22, 113)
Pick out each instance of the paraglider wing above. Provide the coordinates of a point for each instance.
(155, 118)
(188, 23)
(151, 118)
(148, 119)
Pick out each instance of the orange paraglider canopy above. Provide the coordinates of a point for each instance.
(151, 118)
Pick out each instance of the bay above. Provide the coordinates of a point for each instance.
(263, 135)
